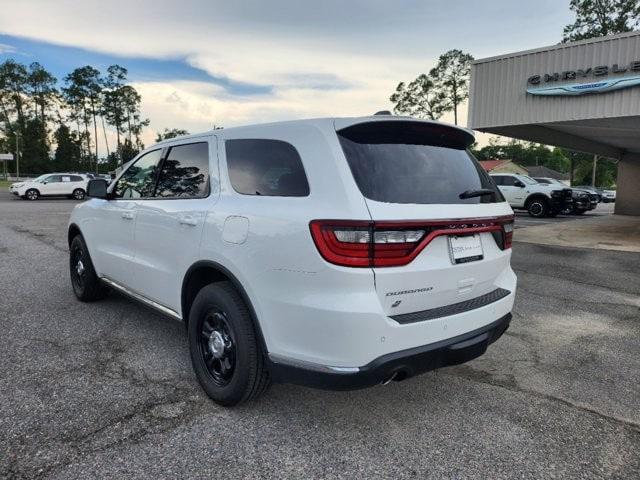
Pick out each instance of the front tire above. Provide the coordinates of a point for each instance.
(32, 194)
(225, 350)
(78, 194)
(538, 207)
(86, 284)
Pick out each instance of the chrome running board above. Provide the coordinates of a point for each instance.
(142, 299)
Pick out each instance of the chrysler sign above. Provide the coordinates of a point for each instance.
(603, 79)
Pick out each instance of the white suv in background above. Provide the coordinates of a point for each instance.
(539, 199)
(333, 253)
(72, 185)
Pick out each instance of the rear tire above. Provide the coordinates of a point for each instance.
(32, 194)
(538, 207)
(86, 284)
(78, 194)
(225, 350)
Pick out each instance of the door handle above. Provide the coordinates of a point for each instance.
(128, 215)
(188, 220)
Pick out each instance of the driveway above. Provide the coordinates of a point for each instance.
(106, 389)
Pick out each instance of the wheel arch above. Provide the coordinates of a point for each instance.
(205, 272)
(72, 232)
(536, 196)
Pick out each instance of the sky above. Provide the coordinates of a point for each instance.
(200, 63)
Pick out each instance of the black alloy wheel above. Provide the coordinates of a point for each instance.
(218, 347)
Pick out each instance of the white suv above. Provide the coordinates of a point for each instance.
(70, 185)
(539, 199)
(333, 253)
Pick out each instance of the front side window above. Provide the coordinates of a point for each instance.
(138, 181)
(266, 167)
(51, 179)
(415, 162)
(509, 181)
(185, 172)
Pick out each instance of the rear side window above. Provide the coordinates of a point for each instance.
(139, 179)
(414, 162)
(76, 178)
(266, 167)
(185, 172)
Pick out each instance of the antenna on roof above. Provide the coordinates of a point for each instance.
(382, 112)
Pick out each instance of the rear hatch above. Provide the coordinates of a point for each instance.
(441, 231)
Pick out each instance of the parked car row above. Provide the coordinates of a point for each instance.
(583, 200)
(548, 197)
(68, 184)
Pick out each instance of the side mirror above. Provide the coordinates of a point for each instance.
(97, 188)
(518, 183)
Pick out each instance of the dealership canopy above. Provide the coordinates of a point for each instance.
(583, 96)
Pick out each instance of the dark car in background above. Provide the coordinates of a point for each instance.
(592, 190)
(582, 200)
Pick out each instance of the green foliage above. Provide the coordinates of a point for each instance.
(451, 77)
(442, 90)
(127, 151)
(68, 154)
(170, 133)
(597, 18)
(419, 98)
(58, 129)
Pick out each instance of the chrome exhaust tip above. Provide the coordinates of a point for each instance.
(390, 379)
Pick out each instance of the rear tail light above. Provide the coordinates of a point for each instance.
(507, 231)
(392, 244)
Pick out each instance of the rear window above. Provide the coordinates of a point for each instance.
(266, 167)
(414, 162)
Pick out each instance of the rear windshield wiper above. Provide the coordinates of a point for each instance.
(477, 193)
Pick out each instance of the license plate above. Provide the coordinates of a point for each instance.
(467, 248)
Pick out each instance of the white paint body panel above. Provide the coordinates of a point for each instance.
(308, 309)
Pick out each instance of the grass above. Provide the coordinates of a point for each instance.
(4, 184)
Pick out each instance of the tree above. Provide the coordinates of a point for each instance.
(419, 98)
(68, 153)
(84, 92)
(597, 18)
(170, 133)
(113, 108)
(41, 86)
(131, 101)
(451, 78)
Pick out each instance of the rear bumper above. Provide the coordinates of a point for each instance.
(399, 365)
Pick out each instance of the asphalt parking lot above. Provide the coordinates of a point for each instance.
(523, 219)
(107, 390)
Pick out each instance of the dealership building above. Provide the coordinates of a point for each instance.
(583, 96)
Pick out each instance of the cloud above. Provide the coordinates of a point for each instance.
(4, 48)
(282, 59)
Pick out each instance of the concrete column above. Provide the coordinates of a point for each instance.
(628, 185)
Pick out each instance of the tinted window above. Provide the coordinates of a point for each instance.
(139, 179)
(76, 178)
(185, 172)
(266, 167)
(412, 162)
(508, 181)
(498, 179)
(52, 179)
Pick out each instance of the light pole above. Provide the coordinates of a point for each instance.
(17, 155)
